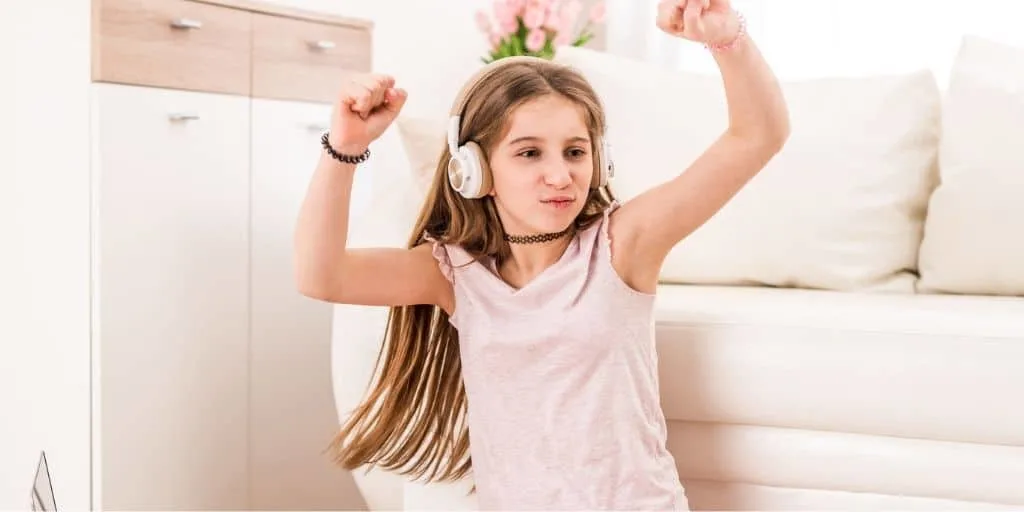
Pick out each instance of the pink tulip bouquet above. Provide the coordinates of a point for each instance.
(537, 27)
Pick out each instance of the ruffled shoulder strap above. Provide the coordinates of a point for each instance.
(440, 252)
(596, 238)
(605, 220)
(450, 258)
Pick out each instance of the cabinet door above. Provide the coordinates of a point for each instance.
(293, 413)
(172, 171)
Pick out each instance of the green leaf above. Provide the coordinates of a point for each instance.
(583, 39)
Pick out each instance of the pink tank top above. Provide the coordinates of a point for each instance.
(561, 384)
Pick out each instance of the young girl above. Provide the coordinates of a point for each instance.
(521, 329)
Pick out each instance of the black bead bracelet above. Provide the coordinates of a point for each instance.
(348, 159)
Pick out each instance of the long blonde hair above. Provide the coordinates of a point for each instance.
(413, 418)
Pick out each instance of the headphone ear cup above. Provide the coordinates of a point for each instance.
(459, 171)
(481, 169)
(468, 173)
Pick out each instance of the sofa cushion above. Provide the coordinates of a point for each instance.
(974, 234)
(721, 465)
(712, 495)
(395, 193)
(841, 207)
(423, 138)
(876, 464)
(940, 367)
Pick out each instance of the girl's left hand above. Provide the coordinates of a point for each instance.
(711, 22)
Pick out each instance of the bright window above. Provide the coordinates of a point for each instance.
(814, 38)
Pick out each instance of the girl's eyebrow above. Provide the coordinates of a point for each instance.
(531, 138)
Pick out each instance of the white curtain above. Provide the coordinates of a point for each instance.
(814, 38)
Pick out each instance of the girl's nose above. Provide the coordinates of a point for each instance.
(558, 175)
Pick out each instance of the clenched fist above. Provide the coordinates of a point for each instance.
(366, 106)
(711, 22)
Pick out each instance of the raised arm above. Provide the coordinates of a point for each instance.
(325, 269)
(651, 224)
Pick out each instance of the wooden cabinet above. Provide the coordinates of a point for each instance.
(302, 60)
(227, 46)
(173, 44)
(212, 377)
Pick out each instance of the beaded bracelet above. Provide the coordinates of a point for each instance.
(731, 44)
(348, 159)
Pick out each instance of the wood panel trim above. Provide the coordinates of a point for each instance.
(291, 12)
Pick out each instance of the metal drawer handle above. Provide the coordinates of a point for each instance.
(322, 45)
(183, 116)
(187, 24)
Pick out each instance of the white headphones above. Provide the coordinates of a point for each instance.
(468, 171)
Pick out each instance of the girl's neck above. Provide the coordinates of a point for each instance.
(527, 261)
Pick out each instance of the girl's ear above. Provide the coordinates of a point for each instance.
(491, 181)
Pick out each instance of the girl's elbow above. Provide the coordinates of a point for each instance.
(312, 284)
(776, 134)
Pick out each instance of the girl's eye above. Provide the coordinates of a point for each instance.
(572, 153)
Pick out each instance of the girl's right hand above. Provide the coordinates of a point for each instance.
(367, 105)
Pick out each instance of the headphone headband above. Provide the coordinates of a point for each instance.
(459, 105)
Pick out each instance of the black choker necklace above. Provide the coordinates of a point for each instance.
(536, 239)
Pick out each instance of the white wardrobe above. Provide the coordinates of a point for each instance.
(211, 375)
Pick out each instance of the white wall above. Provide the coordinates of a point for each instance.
(44, 264)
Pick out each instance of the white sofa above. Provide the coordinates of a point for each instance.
(848, 333)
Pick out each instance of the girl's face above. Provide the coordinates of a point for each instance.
(543, 167)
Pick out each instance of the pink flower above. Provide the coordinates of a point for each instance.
(506, 18)
(543, 5)
(597, 13)
(483, 22)
(564, 38)
(554, 21)
(535, 40)
(515, 6)
(507, 26)
(504, 14)
(495, 39)
(534, 16)
(572, 9)
(570, 15)
(568, 25)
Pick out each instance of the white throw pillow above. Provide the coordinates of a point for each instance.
(424, 139)
(974, 234)
(841, 207)
(396, 195)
